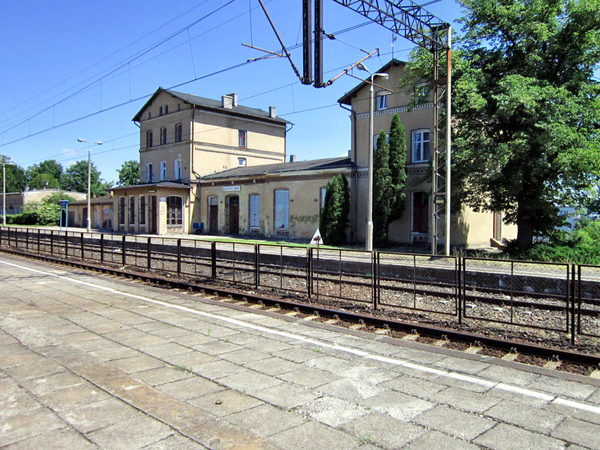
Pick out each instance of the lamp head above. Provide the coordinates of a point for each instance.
(361, 66)
(80, 140)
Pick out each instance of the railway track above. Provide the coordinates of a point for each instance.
(473, 343)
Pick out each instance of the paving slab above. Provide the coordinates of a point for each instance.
(60, 439)
(383, 430)
(315, 436)
(527, 417)
(579, 432)
(455, 423)
(509, 437)
(225, 402)
(265, 420)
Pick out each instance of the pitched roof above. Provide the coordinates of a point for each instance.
(159, 184)
(265, 169)
(347, 98)
(214, 105)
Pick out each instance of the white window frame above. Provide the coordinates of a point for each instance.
(419, 149)
(242, 162)
(162, 173)
(381, 101)
(254, 213)
(177, 169)
(281, 209)
(323, 194)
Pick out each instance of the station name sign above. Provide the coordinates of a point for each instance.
(230, 188)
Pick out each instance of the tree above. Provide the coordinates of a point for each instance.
(56, 197)
(129, 173)
(16, 179)
(43, 181)
(49, 167)
(527, 110)
(76, 176)
(397, 164)
(334, 215)
(382, 191)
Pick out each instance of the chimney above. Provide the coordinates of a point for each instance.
(272, 113)
(234, 96)
(227, 101)
(292, 157)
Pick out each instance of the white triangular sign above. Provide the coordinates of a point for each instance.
(316, 239)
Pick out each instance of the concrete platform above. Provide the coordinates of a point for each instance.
(88, 361)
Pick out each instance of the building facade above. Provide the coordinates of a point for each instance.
(468, 228)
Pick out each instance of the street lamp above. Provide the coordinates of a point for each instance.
(4, 164)
(89, 184)
(385, 76)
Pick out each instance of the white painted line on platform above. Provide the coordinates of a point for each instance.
(394, 361)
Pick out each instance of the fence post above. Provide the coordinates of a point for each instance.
(375, 278)
(102, 248)
(461, 288)
(51, 242)
(123, 248)
(149, 246)
(572, 298)
(309, 252)
(256, 265)
(27, 239)
(213, 257)
(82, 246)
(178, 257)
(66, 244)
(38, 240)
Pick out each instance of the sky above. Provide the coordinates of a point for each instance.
(75, 69)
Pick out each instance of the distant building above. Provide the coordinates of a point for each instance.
(15, 201)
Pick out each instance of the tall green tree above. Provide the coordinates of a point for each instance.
(43, 181)
(49, 167)
(76, 176)
(397, 164)
(526, 108)
(334, 215)
(382, 191)
(16, 178)
(129, 173)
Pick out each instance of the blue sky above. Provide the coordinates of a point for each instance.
(83, 70)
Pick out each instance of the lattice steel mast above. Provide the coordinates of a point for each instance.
(416, 24)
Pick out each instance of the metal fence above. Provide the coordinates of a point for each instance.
(560, 298)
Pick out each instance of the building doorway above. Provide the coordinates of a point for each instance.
(233, 214)
(420, 218)
(152, 215)
(213, 215)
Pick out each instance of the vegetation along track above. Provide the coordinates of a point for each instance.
(365, 320)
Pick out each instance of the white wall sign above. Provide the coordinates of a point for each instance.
(230, 188)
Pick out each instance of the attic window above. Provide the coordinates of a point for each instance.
(242, 162)
(167, 109)
(149, 115)
(160, 111)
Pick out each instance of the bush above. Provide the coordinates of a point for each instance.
(582, 246)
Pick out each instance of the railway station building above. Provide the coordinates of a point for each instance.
(217, 167)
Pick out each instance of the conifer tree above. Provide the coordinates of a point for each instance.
(397, 163)
(334, 215)
(382, 191)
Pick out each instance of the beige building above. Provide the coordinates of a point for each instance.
(182, 138)
(218, 167)
(468, 228)
(15, 201)
(277, 200)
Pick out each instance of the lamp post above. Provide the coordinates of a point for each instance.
(89, 180)
(369, 239)
(4, 164)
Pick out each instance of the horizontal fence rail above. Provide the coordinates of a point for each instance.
(557, 298)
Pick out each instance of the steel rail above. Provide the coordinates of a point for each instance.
(510, 346)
